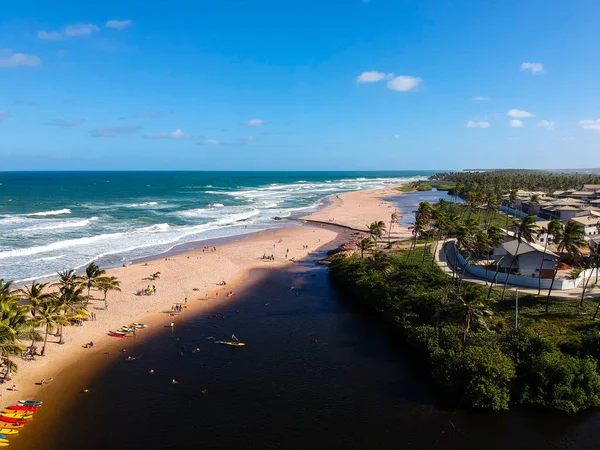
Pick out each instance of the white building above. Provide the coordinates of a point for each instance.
(528, 260)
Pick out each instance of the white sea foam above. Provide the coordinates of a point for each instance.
(60, 225)
(140, 205)
(56, 212)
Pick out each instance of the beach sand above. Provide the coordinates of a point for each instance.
(192, 275)
(357, 210)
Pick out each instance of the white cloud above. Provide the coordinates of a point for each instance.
(118, 24)
(12, 60)
(590, 125)
(177, 134)
(3, 115)
(208, 142)
(519, 114)
(547, 124)
(396, 136)
(534, 67)
(570, 138)
(65, 123)
(370, 77)
(254, 122)
(114, 131)
(480, 99)
(516, 123)
(70, 31)
(478, 124)
(403, 83)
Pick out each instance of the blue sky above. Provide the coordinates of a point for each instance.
(299, 85)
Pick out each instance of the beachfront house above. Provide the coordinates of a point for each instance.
(590, 221)
(528, 260)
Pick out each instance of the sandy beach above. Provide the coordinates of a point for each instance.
(194, 275)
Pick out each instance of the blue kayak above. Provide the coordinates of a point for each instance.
(3, 437)
(30, 403)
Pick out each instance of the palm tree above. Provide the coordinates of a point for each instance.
(417, 229)
(36, 295)
(92, 273)
(394, 218)
(365, 245)
(441, 225)
(554, 229)
(9, 346)
(524, 231)
(464, 241)
(425, 213)
(377, 229)
(571, 240)
(72, 301)
(67, 277)
(592, 262)
(495, 237)
(106, 284)
(475, 307)
(50, 316)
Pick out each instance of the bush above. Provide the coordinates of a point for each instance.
(563, 382)
(478, 377)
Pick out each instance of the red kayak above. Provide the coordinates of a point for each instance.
(12, 420)
(116, 335)
(22, 408)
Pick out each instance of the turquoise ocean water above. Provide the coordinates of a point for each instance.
(50, 221)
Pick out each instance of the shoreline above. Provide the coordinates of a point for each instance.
(194, 274)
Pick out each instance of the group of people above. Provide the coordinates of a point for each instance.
(177, 308)
(267, 257)
(209, 249)
(149, 290)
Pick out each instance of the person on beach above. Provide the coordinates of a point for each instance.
(172, 324)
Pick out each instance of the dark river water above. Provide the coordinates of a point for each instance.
(314, 375)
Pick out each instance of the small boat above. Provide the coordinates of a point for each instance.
(139, 325)
(11, 425)
(19, 414)
(8, 431)
(232, 343)
(12, 420)
(116, 334)
(127, 329)
(22, 408)
(3, 437)
(4, 443)
(30, 403)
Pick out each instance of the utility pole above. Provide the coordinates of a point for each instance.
(517, 309)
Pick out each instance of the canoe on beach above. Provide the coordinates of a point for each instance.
(11, 425)
(8, 431)
(116, 334)
(30, 403)
(22, 408)
(21, 414)
(12, 420)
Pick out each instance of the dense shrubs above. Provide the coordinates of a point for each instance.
(488, 365)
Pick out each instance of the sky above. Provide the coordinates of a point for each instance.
(299, 85)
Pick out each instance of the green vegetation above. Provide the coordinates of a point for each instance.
(466, 183)
(427, 185)
(475, 357)
(465, 334)
(28, 315)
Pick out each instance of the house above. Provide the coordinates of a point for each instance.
(595, 242)
(590, 221)
(528, 260)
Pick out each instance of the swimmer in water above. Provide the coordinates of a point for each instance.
(151, 371)
(174, 381)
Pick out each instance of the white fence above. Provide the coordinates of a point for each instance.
(517, 280)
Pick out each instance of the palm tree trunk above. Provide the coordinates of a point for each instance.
(467, 326)
(494, 279)
(487, 264)
(390, 234)
(510, 269)
(553, 278)
(596, 313)
(45, 341)
(585, 287)
(541, 267)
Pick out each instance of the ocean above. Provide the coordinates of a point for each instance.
(51, 221)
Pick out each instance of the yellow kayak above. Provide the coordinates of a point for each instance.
(11, 413)
(3, 443)
(8, 431)
(232, 343)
